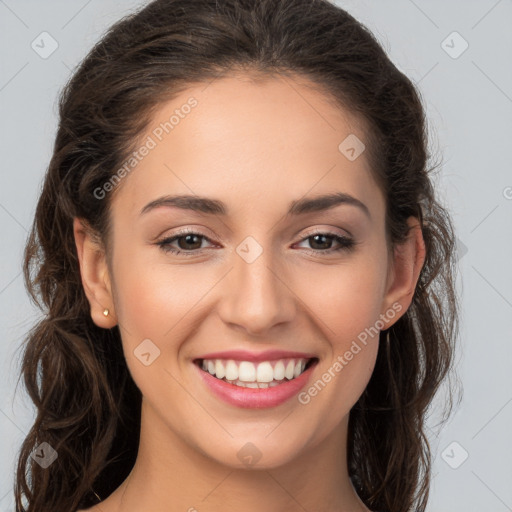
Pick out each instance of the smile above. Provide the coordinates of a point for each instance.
(248, 384)
(250, 375)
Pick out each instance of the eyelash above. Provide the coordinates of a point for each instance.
(346, 243)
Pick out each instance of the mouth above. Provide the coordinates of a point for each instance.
(262, 375)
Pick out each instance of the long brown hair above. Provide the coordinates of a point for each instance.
(88, 407)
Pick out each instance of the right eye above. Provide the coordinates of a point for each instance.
(189, 243)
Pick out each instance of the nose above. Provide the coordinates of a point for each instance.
(256, 296)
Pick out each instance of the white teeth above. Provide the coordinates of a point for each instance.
(246, 372)
(231, 370)
(265, 372)
(219, 370)
(290, 370)
(249, 374)
(279, 370)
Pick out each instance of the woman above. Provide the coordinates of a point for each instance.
(247, 279)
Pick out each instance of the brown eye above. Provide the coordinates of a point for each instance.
(322, 243)
(187, 243)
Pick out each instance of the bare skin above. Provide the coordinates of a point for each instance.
(255, 146)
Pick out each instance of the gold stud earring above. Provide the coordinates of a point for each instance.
(105, 312)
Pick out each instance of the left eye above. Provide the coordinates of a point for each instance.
(319, 239)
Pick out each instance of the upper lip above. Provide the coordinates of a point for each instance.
(268, 355)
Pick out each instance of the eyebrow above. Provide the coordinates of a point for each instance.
(216, 207)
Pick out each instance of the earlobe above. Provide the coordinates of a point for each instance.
(94, 274)
(408, 260)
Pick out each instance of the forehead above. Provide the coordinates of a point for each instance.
(252, 141)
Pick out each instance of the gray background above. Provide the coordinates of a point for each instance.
(468, 97)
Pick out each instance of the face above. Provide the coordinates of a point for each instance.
(252, 263)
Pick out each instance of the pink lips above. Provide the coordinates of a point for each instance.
(255, 398)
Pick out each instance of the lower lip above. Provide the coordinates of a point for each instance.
(256, 398)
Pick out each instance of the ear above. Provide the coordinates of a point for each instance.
(94, 273)
(405, 268)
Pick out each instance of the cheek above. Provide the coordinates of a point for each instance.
(146, 307)
(149, 319)
(345, 299)
(158, 302)
(152, 296)
(345, 305)
(348, 319)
